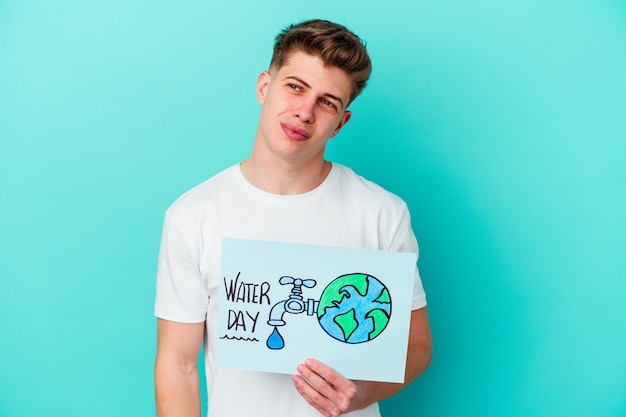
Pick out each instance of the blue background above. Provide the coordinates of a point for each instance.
(501, 123)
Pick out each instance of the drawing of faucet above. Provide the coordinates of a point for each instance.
(295, 304)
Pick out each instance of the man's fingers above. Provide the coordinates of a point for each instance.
(335, 380)
(317, 381)
(315, 398)
(332, 392)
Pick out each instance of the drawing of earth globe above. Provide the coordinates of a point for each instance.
(354, 308)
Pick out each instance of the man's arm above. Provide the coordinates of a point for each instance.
(176, 369)
(332, 394)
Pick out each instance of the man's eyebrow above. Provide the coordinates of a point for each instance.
(304, 83)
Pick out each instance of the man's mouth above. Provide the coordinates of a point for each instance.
(294, 132)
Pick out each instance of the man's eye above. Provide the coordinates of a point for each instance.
(293, 87)
(327, 103)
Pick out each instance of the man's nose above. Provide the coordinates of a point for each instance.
(305, 111)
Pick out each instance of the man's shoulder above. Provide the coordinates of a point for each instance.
(205, 193)
(362, 188)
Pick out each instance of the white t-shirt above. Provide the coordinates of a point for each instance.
(345, 210)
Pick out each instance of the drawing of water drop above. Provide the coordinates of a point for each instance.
(275, 341)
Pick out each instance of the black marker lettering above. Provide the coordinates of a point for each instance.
(230, 292)
(254, 320)
(265, 288)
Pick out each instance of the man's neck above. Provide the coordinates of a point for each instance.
(284, 177)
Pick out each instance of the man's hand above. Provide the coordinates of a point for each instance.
(326, 390)
(332, 394)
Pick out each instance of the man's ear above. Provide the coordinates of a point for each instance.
(261, 86)
(345, 118)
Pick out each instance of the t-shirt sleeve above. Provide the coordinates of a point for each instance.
(181, 295)
(404, 240)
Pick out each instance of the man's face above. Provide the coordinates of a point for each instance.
(304, 105)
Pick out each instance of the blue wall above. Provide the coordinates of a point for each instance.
(501, 123)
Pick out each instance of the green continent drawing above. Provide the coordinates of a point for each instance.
(354, 308)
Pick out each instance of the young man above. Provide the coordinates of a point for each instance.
(285, 191)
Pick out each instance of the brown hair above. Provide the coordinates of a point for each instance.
(334, 44)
